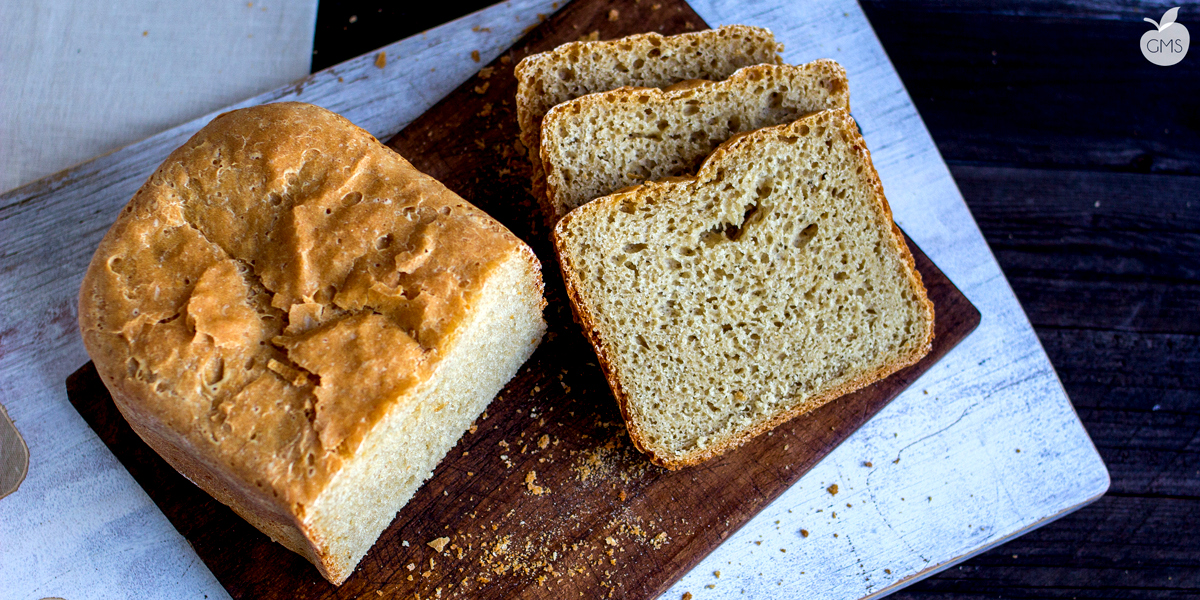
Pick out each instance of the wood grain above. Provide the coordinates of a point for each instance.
(607, 522)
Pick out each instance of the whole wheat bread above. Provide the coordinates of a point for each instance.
(600, 143)
(770, 283)
(644, 60)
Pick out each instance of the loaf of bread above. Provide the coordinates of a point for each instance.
(600, 143)
(303, 324)
(770, 283)
(644, 60)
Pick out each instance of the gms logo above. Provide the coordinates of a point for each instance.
(1168, 44)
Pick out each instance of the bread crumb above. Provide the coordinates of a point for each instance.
(686, 596)
(621, 496)
(867, 464)
(803, 533)
(486, 72)
(487, 110)
(785, 549)
(590, 37)
(478, 29)
(832, 489)
(411, 566)
(655, 6)
(688, 26)
(610, 541)
(717, 574)
(473, 428)
(381, 60)
(482, 89)
(534, 488)
(543, 441)
(614, 14)
(888, 571)
(439, 544)
(505, 60)
(711, 586)
(475, 55)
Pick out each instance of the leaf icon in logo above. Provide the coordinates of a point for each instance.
(1167, 18)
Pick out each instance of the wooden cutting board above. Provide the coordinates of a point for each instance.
(546, 498)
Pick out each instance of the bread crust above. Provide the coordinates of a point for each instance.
(280, 285)
(826, 70)
(845, 122)
(533, 100)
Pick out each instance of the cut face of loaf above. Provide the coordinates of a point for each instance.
(303, 324)
(644, 60)
(600, 143)
(771, 283)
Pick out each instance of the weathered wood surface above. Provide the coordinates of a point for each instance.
(597, 519)
(1079, 159)
(957, 445)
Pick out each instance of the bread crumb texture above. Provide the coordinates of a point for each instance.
(280, 285)
(645, 60)
(601, 143)
(767, 285)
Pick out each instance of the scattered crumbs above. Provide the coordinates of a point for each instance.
(686, 596)
(378, 592)
(758, 542)
(487, 110)
(534, 488)
(786, 446)
(614, 14)
(145, 33)
(591, 37)
(926, 392)
(610, 541)
(340, 80)
(835, 535)
(353, 18)
(505, 60)
(867, 464)
(486, 72)
(659, 540)
(475, 55)
(482, 89)
(717, 574)
(543, 441)
(473, 428)
(711, 586)
(897, 461)
(835, 514)
(803, 533)
(439, 544)
(783, 549)
(689, 26)
(848, 505)
(621, 496)
(381, 60)
(405, 543)
(470, 473)
(411, 566)
(1018, 450)
(832, 489)
(888, 571)
(478, 29)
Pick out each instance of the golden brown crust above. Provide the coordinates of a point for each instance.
(846, 123)
(276, 287)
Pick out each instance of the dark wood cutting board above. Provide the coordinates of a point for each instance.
(546, 498)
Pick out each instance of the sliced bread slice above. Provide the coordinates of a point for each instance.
(724, 304)
(600, 143)
(644, 60)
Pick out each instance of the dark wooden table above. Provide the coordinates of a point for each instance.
(1081, 163)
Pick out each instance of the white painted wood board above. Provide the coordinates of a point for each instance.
(81, 527)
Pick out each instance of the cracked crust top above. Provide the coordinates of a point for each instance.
(279, 283)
